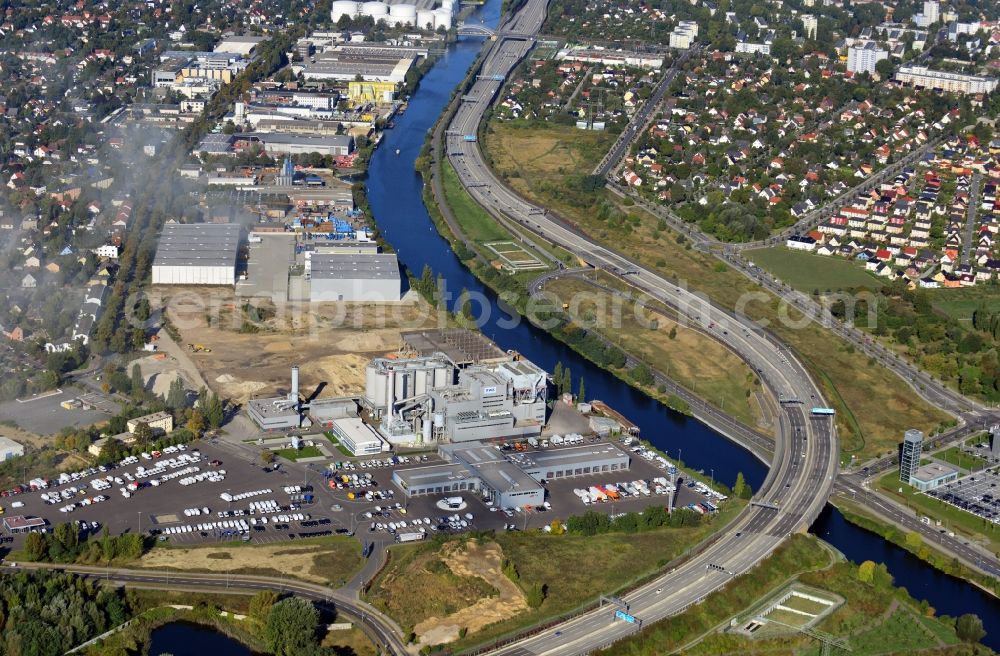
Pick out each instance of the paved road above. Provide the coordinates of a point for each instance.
(970, 218)
(805, 460)
(382, 631)
(638, 123)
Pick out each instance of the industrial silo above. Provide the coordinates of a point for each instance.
(377, 10)
(403, 14)
(425, 17)
(341, 8)
(442, 18)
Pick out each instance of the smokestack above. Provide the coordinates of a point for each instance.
(295, 384)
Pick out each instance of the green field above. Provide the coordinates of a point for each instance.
(296, 454)
(961, 303)
(476, 222)
(807, 272)
(955, 456)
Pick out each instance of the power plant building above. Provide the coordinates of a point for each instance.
(197, 254)
(420, 400)
(358, 437)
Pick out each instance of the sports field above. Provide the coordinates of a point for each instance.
(807, 272)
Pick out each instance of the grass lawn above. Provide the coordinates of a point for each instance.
(698, 362)
(874, 406)
(296, 454)
(477, 224)
(808, 272)
(953, 518)
(340, 447)
(955, 456)
(961, 303)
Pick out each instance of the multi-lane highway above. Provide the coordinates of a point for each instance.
(805, 460)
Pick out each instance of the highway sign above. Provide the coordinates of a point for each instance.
(622, 615)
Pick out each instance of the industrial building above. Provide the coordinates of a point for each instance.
(290, 412)
(284, 143)
(351, 276)
(10, 449)
(512, 481)
(432, 398)
(358, 437)
(333, 66)
(197, 254)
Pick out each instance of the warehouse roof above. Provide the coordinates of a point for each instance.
(335, 140)
(562, 456)
(354, 266)
(198, 244)
(434, 475)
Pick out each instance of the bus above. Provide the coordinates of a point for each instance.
(822, 412)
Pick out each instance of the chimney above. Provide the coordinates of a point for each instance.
(294, 394)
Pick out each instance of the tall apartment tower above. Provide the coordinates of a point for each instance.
(809, 24)
(932, 11)
(909, 460)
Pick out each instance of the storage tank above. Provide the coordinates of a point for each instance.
(448, 5)
(427, 430)
(425, 17)
(341, 8)
(442, 18)
(442, 375)
(375, 9)
(404, 14)
(439, 420)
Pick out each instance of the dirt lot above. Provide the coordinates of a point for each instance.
(474, 560)
(318, 562)
(330, 342)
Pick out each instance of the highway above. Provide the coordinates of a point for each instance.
(804, 466)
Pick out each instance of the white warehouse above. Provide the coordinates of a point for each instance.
(353, 277)
(197, 254)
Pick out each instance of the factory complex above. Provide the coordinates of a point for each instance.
(465, 393)
(455, 389)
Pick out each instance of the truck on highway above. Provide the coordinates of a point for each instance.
(470, 137)
(409, 537)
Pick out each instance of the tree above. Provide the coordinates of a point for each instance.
(67, 534)
(138, 382)
(969, 628)
(567, 381)
(866, 572)
(557, 377)
(291, 626)
(267, 457)
(196, 422)
(35, 546)
(142, 433)
(214, 412)
(176, 395)
(884, 69)
(582, 394)
(535, 594)
(741, 489)
(913, 540)
(642, 375)
(260, 606)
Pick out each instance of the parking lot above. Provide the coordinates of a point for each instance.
(978, 494)
(44, 415)
(206, 492)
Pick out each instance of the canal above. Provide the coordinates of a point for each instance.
(395, 195)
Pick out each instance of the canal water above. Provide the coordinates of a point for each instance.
(394, 192)
(187, 639)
